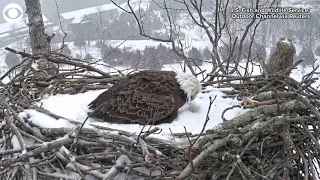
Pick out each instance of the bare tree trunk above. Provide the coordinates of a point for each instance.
(36, 28)
(38, 41)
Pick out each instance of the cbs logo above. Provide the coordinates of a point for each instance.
(12, 13)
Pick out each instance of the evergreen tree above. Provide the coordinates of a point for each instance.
(79, 41)
(88, 57)
(195, 57)
(66, 51)
(149, 59)
(124, 57)
(257, 51)
(11, 60)
(206, 53)
(162, 54)
(135, 59)
(111, 55)
(307, 55)
(317, 51)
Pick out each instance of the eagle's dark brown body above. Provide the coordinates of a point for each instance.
(146, 97)
(282, 58)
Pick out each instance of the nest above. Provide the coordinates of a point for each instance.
(277, 138)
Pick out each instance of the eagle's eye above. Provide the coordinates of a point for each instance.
(193, 97)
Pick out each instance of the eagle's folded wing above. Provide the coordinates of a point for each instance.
(137, 107)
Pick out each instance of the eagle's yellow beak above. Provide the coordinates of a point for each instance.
(193, 97)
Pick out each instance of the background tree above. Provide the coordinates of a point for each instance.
(134, 59)
(195, 57)
(317, 51)
(218, 26)
(307, 55)
(149, 59)
(162, 54)
(206, 53)
(110, 54)
(36, 27)
(37, 35)
(250, 51)
(11, 59)
(88, 58)
(66, 51)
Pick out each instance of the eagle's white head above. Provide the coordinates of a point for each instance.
(189, 84)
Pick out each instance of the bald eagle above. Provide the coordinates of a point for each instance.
(281, 58)
(146, 97)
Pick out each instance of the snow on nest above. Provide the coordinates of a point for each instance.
(286, 41)
(193, 116)
(74, 107)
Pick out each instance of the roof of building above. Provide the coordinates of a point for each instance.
(7, 27)
(78, 15)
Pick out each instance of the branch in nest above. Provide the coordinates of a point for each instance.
(23, 54)
(44, 147)
(290, 68)
(251, 116)
(250, 103)
(247, 103)
(243, 119)
(26, 165)
(268, 95)
(205, 153)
